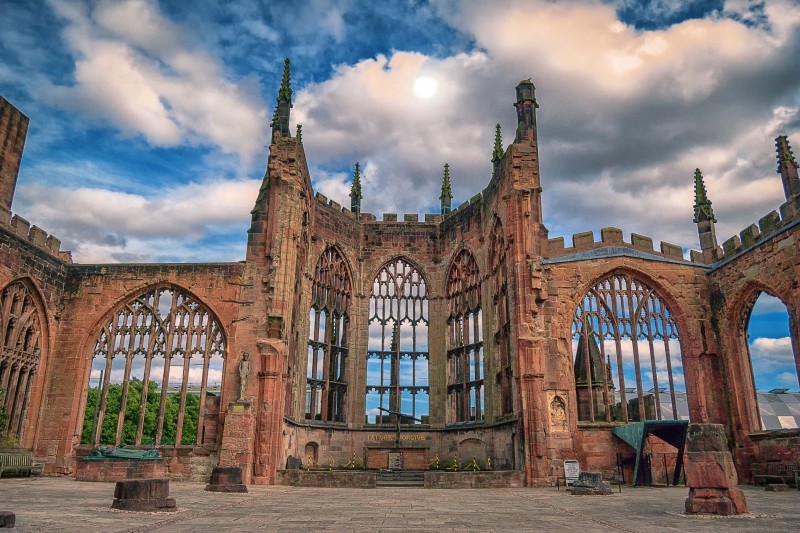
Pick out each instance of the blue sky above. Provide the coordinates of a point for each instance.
(149, 119)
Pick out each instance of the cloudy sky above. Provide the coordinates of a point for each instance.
(149, 119)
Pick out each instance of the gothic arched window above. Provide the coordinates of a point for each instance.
(502, 321)
(465, 348)
(21, 353)
(328, 322)
(156, 375)
(627, 354)
(397, 352)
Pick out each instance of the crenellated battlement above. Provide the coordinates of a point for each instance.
(34, 234)
(766, 227)
(611, 237)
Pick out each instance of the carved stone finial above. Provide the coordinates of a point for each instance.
(355, 191)
(447, 192)
(280, 117)
(299, 134)
(285, 92)
(497, 153)
(702, 205)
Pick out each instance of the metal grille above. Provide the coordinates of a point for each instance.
(19, 361)
(397, 356)
(327, 339)
(627, 352)
(169, 349)
(465, 349)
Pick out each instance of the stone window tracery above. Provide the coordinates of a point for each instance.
(328, 323)
(502, 321)
(465, 371)
(397, 351)
(21, 353)
(627, 353)
(156, 372)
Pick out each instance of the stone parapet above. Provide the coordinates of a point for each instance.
(360, 479)
(490, 479)
(35, 235)
(610, 237)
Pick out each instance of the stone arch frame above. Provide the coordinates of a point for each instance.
(36, 379)
(332, 404)
(383, 353)
(663, 292)
(88, 349)
(465, 348)
(745, 415)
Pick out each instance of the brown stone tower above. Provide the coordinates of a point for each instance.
(13, 129)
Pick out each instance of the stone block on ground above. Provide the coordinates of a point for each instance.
(777, 487)
(226, 479)
(146, 495)
(591, 484)
(7, 519)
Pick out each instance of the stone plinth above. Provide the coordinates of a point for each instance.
(710, 473)
(226, 479)
(591, 484)
(489, 479)
(147, 495)
(119, 469)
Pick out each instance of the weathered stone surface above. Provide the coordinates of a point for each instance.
(436, 479)
(777, 487)
(359, 479)
(119, 469)
(591, 484)
(710, 473)
(147, 495)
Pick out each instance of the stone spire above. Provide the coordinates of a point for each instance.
(280, 118)
(355, 192)
(526, 112)
(299, 133)
(447, 192)
(497, 153)
(787, 168)
(702, 205)
(704, 218)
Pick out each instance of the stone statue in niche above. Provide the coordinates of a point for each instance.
(558, 415)
(244, 371)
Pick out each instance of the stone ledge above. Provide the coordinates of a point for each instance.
(359, 479)
(486, 479)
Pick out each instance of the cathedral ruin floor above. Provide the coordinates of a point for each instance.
(62, 504)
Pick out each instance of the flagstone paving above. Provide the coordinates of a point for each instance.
(60, 504)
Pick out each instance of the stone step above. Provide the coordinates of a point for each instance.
(400, 478)
(395, 484)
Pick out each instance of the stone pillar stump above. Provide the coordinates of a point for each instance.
(146, 495)
(226, 479)
(710, 473)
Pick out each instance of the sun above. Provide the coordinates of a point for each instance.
(425, 87)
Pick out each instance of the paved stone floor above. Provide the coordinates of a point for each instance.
(59, 504)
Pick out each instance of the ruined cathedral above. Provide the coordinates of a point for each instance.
(347, 340)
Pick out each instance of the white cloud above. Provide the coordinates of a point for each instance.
(109, 226)
(134, 71)
(626, 115)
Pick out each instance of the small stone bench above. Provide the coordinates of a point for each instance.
(7, 520)
(146, 495)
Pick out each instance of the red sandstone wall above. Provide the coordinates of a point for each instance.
(92, 293)
(772, 267)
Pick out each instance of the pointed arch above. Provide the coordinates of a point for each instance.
(623, 321)
(328, 337)
(23, 333)
(397, 350)
(465, 368)
(158, 333)
(761, 416)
